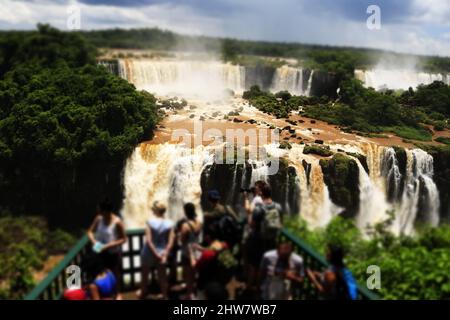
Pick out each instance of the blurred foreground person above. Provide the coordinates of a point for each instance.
(188, 231)
(337, 282)
(107, 234)
(265, 225)
(102, 283)
(280, 271)
(159, 239)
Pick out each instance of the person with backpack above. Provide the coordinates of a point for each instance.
(265, 224)
(337, 282)
(281, 269)
(221, 221)
(270, 216)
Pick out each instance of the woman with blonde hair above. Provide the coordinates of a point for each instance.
(159, 239)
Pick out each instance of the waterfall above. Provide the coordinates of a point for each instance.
(372, 201)
(419, 190)
(398, 79)
(166, 172)
(110, 65)
(308, 88)
(193, 79)
(188, 78)
(316, 206)
(233, 184)
(391, 171)
(288, 79)
(260, 171)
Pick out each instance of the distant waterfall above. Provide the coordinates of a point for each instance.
(186, 78)
(398, 79)
(288, 79)
(309, 86)
(419, 190)
(210, 79)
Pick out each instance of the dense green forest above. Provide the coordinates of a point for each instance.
(66, 128)
(327, 58)
(366, 110)
(66, 125)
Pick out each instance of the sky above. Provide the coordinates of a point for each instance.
(410, 26)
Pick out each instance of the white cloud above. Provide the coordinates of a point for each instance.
(282, 20)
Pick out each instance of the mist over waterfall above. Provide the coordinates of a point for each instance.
(208, 78)
(398, 78)
(188, 78)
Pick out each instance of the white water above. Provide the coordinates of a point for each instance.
(419, 174)
(288, 79)
(309, 87)
(168, 173)
(372, 201)
(203, 79)
(398, 79)
(190, 79)
(316, 206)
(391, 170)
(172, 174)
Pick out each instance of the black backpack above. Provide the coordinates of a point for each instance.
(229, 228)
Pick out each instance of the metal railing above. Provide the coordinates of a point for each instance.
(313, 260)
(53, 285)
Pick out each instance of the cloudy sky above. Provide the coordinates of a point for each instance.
(413, 26)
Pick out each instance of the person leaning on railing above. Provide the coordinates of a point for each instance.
(107, 234)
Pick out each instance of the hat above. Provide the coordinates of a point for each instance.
(213, 195)
(158, 206)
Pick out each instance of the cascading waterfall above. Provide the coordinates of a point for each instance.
(398, 79)
(372, 201)
(309, 87)
(172, 173)
(166, 172)
(419, 190)
(206, 79)
(391, 171)
(186, 78)
(289, 79)
(260, 170)
(316, 206)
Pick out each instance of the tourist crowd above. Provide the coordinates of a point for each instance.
(222, 256)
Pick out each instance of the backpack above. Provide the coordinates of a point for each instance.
(271, 222)
(229, 228)
(348, 290)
